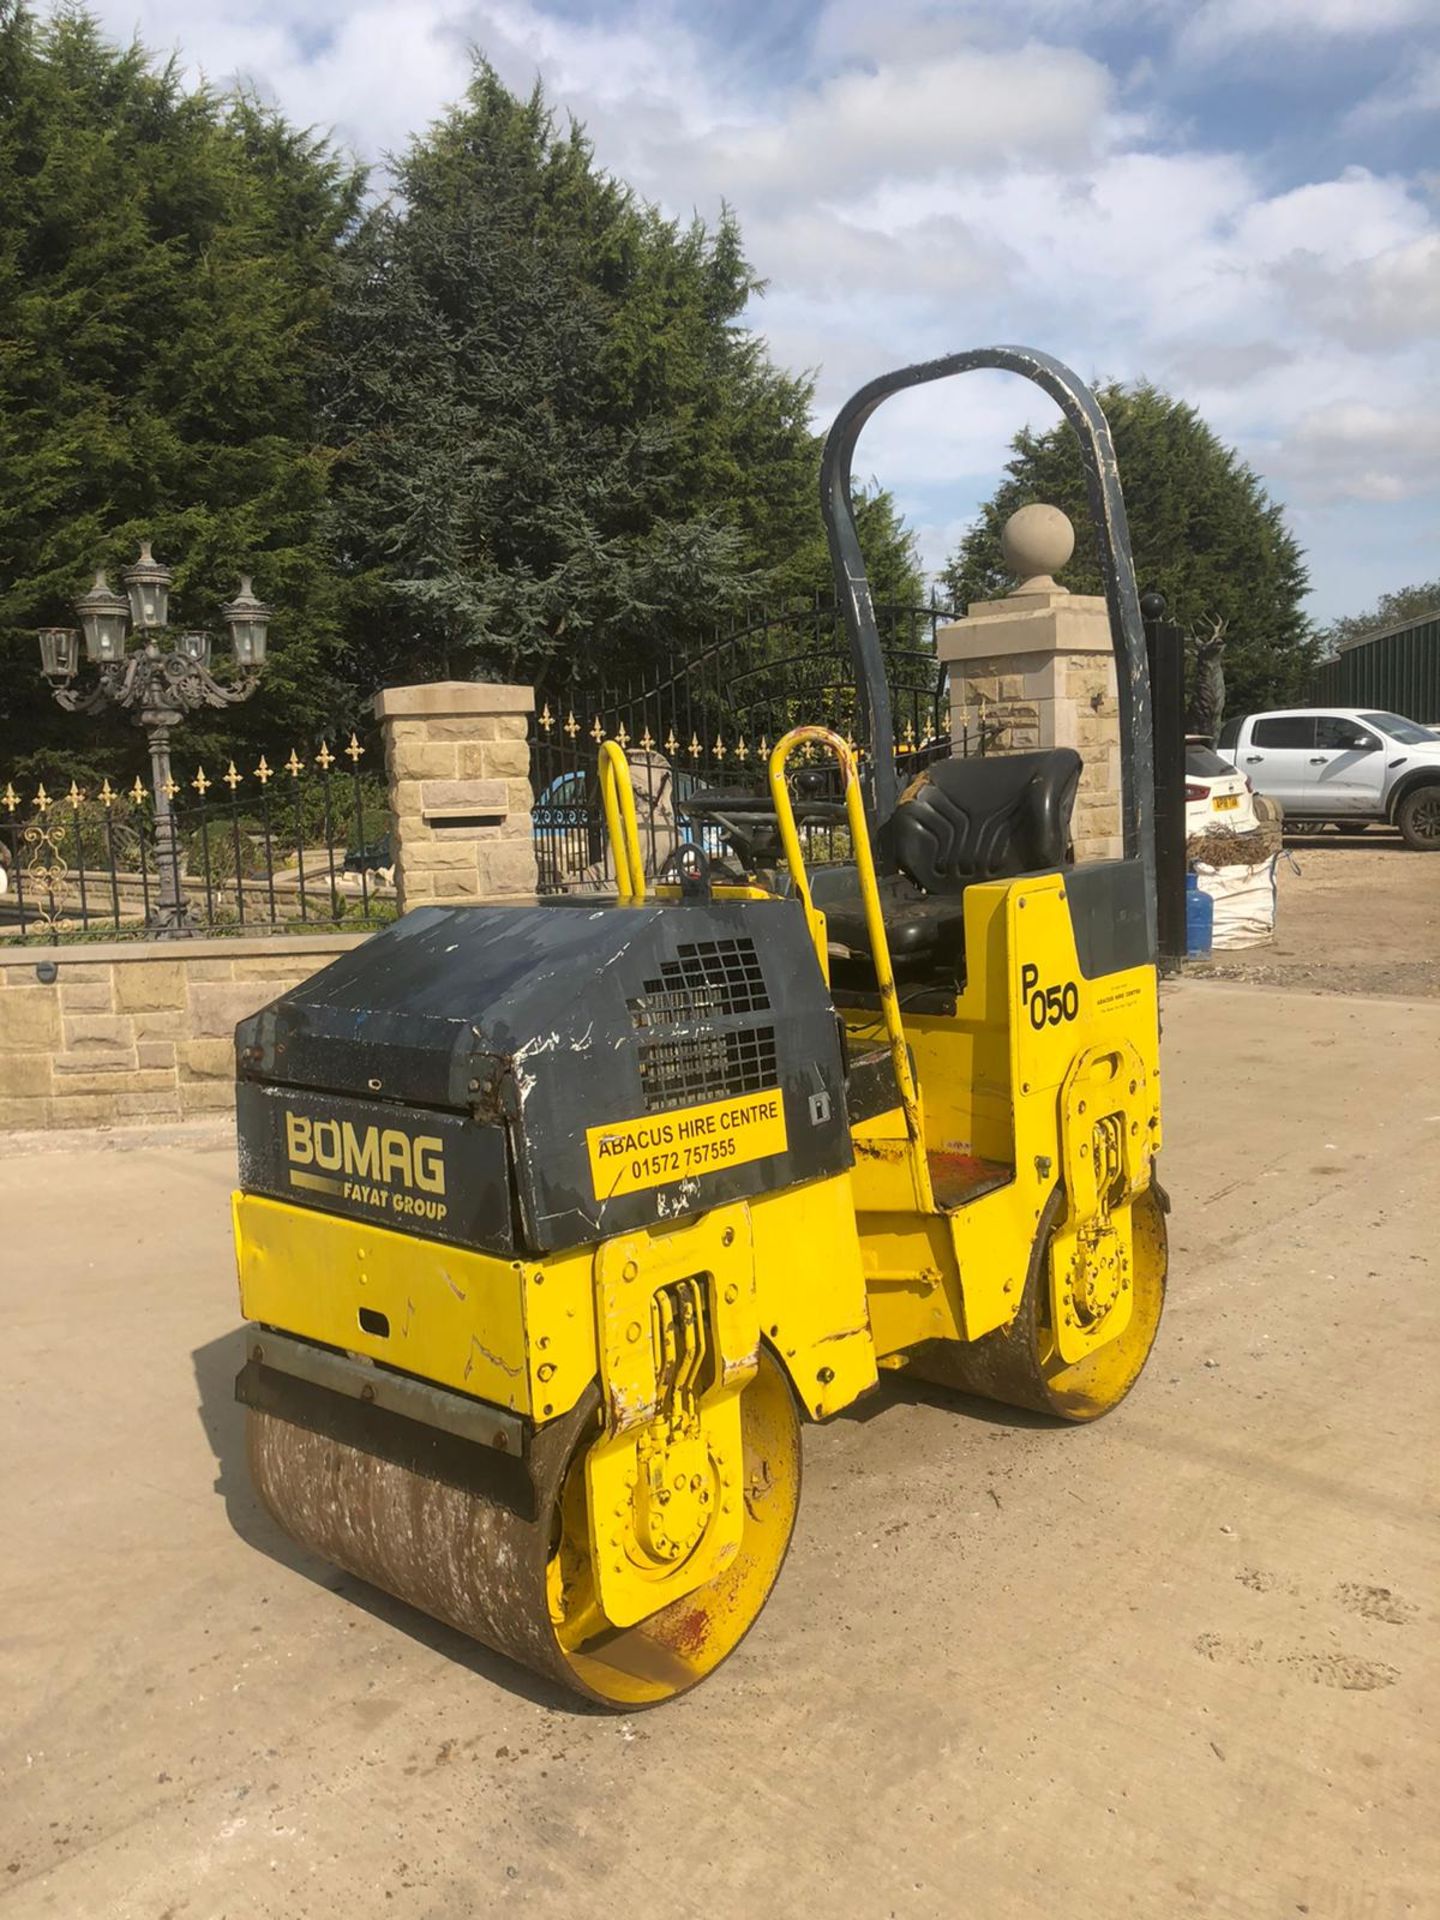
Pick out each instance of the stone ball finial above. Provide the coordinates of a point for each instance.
(1036, 542)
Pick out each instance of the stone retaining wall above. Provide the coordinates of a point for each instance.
(138, 1033)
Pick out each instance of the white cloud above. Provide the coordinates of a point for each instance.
(1383, 453)
(1227, 364)
(1391, 298)
(1345, 220)
(374, 74)
(1414, 89)
(1216, 25)
(825, 251)
(974, 111)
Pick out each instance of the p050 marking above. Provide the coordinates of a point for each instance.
(1047, 1006)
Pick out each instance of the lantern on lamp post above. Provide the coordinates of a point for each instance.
(195, 645)
(158, 684)
(148, 585)
(60, 652)
(248, 620)
(102, 614)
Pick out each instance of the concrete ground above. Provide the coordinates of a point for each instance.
(1357, 912)
(1183, 1663)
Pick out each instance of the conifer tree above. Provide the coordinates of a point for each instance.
(1203, 529)
(559, 446)
(165, 264)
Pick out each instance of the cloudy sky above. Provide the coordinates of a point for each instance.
(1239, 199)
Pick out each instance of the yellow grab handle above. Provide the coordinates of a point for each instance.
(874, 916)
(618, 798)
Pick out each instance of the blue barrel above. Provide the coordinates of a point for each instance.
(1199, 917)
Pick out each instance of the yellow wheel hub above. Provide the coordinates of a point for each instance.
(641, 1662)
(1080, 1369)
(675, 1501)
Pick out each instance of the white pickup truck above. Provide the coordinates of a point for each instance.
(1343, 764)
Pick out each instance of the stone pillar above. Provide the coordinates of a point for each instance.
(1037, 670)
(458, 762)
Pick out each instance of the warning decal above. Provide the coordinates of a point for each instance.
(663, 1147)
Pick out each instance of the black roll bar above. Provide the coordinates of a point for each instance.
(1107, 507)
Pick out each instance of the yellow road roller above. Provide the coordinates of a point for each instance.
(558, 1222)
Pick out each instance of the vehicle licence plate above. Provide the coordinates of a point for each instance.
(1224, 801)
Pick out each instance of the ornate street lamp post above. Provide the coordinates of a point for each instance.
(159, 685)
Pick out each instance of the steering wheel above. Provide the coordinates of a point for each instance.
(688, 868)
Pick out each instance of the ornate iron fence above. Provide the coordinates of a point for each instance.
(707, 722)
(300, 846)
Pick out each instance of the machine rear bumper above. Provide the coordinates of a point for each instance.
(458, 1414)
(492, 1460)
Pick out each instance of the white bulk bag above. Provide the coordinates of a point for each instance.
(1244, 899)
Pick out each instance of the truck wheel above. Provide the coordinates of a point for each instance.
(1418, 818)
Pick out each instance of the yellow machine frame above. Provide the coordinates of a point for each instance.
(1059, 1082)
(999, 1228)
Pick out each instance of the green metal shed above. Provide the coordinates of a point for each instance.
(1397, 671)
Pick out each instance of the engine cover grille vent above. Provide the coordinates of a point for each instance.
(706, 1067)
(706, 979)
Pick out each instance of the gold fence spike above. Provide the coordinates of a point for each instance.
(572, 725)
(107, 795)
(294, 766)
(622, 738)
(597, 732)
(201, 785)
(76, 798)
(355, 751)
(742, 752)
(694, 748)
(137, 792)
(325, 759)
(545, 718)
(232, 776)
(719, 748)
(263, 772)
(42, 799)
(647, 740)
(908, 737)
(171, 787)
(10, 799)
(672, 745)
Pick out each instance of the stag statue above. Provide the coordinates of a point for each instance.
(1206, 708)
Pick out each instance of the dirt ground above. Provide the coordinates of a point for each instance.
(1357, 913)
(1182, 1663)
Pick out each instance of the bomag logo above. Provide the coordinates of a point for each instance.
(379, 1167)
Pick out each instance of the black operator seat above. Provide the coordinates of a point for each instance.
(960, 820)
